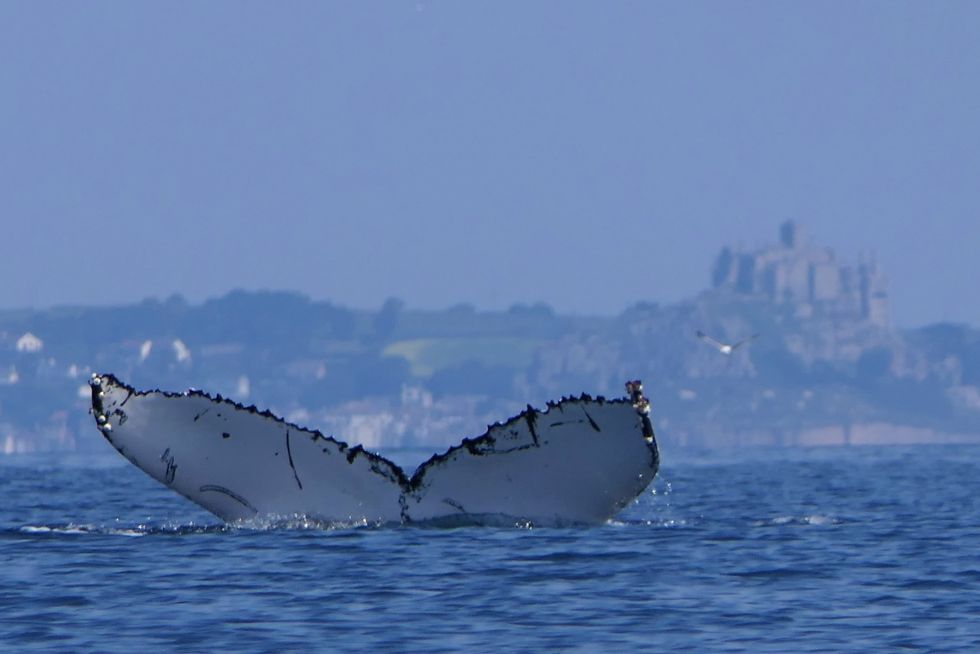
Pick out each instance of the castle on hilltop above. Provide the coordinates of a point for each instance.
(807, 277)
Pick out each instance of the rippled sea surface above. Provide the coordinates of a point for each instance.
(782, 551)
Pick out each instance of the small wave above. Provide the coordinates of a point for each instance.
(298, 522)
(73, 529)
(934, 584)
(490, 520)
(131, 531)
(775, 573)
(813, 520)
(626, 522)
(271, 523)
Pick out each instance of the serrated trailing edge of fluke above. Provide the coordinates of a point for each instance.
(516, 450)
(99, 380)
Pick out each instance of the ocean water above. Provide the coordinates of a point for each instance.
(762, 551)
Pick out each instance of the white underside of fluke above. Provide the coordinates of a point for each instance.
(578, 462)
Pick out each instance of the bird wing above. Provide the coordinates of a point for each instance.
(707, 339)
(745, 340)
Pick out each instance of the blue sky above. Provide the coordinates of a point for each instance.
(588, 155)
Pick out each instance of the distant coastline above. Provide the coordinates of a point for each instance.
(826, 369)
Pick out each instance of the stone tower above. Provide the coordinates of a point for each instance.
(808, 278)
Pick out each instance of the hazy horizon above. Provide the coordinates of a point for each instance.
(586, 156)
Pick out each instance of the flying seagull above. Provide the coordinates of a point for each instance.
(724, 348)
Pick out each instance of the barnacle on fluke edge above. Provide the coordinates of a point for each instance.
(580, 461)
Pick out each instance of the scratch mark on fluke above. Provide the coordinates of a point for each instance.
(232, 494)
(532, 417)
(168, 458)
(289, 453)
(453, 503)
(591, 421)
